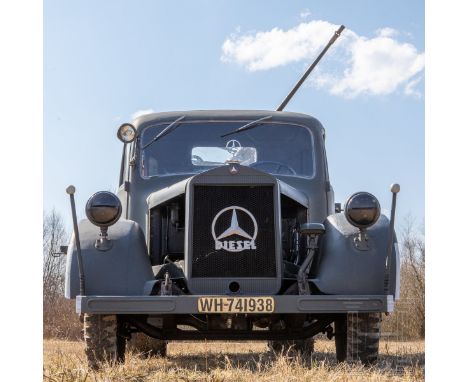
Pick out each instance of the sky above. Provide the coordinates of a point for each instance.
(107, 61)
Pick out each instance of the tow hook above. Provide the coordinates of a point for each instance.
(166, 286)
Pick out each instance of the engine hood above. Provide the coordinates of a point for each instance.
(156, 198)
(225, 174)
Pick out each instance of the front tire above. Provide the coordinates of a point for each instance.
(103, 342)
(357, 337)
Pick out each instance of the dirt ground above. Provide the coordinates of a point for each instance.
(235, 361)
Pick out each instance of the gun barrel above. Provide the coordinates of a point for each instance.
(311, 67)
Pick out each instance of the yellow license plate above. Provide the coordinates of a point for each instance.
(236, 304)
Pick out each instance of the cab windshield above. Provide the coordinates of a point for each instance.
(194, 147)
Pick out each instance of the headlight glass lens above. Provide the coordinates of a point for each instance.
(103, 209)
(362, 209)
(126, 133)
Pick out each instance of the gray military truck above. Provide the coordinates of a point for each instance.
(224, 227)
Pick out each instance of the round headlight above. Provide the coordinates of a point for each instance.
(103, 209)
(126, 133)
(362, 209)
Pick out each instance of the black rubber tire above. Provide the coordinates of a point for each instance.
(102, 340)
(148, 346)
(304, 347)
(340, 329)
(357, 337)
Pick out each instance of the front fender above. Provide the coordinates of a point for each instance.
(344, 269)
(120, 271)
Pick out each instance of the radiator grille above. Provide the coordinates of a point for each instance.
(209, 261)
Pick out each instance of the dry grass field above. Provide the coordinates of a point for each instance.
(235, 361)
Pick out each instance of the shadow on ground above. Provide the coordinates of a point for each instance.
(258, 361)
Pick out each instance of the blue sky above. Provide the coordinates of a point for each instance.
(106, 60)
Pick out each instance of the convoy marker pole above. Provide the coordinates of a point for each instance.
(311, 67)
(71, 191)
(395, 189)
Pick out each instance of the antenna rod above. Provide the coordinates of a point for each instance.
(394, 189)
(311, 67)
(71, 191)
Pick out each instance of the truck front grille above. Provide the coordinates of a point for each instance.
(223, 242)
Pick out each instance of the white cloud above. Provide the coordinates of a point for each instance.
(378, 66)
(387, 32)
(266, 50)
(356, 64)
(305, 13)
(410, 88)
(139, 113)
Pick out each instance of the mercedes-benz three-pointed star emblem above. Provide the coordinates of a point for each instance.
(234, 230)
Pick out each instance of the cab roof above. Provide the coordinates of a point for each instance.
(229, 115)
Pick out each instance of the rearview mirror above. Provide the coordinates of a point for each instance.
(217, 156)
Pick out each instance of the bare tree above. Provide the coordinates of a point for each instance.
(58, 313)
(413, 267)
(408, 320)
(53, 236)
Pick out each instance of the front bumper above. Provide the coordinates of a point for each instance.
(187, 304)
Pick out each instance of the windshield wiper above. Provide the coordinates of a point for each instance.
(247, 126)
(172, 126)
